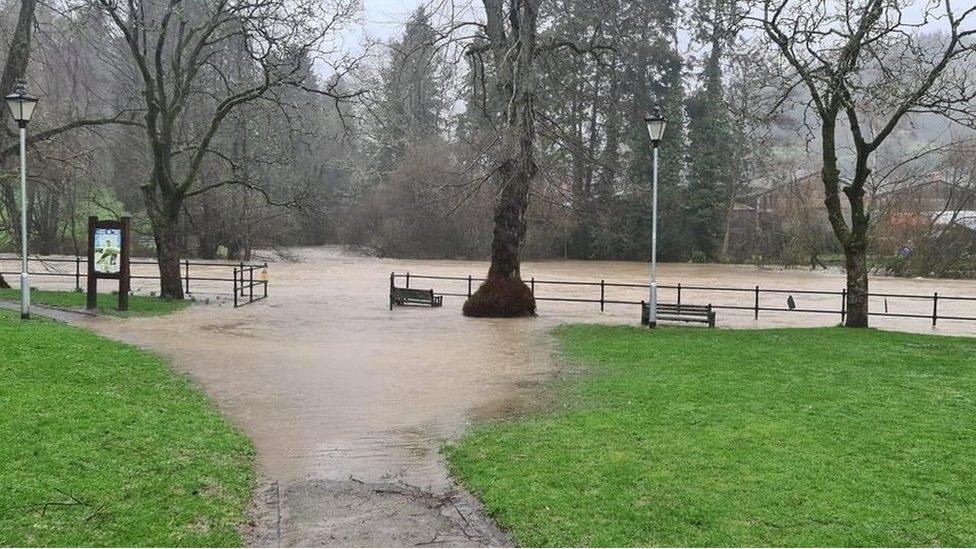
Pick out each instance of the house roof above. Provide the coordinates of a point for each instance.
(963, 218)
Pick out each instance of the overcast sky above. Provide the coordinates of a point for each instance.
(383, 19)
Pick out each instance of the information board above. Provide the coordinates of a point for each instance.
(108, 257)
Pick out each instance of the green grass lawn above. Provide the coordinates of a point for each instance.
(102, 445)
(107, 303)
(685, 436)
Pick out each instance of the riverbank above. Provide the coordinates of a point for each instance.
(696, 437)
(139, 305)
(105, 446)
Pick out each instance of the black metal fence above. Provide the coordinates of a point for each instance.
(924, 306)
(244, 284)
(193, 274)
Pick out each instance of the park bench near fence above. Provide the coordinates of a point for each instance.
(195, 275)
(754, 299)
(412, 296)
(678, 312)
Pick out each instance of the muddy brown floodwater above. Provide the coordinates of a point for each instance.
(348, 402)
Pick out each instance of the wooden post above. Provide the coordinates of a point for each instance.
(601, 295)
(241, 282)
(679, 297)
(265, 279)
(756, 314)
(186, 265)
(124, 272)
(532, 288)
(408, 279)
(250, 284)
(935, 308)
(469, 286)
(235, 288)
(843, 305)
(77, 273)
(92, 280)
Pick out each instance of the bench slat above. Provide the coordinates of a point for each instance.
(684, 313)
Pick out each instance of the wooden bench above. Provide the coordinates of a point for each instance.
(673, 312)
(413, 296)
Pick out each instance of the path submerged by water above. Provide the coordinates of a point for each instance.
(348, 402)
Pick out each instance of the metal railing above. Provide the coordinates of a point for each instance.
(76, 268)
(753, 294)
(245, 284)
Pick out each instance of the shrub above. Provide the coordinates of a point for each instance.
(501, 297)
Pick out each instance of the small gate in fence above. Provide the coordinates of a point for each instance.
(244, 284)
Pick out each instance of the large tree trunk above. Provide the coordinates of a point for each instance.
(857, 288)
(852, 237)
(47, 221)
(208, 245)
(164, 214)
(14, 68)
(856, 251)
(504, 294)
(727, 232)
(18, 53)
(510, 226)
(167, 236)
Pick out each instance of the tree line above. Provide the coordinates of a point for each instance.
(507, 129)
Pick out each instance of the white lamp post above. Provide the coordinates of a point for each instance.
(656, 123)
(22, 106)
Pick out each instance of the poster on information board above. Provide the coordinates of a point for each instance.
(108, 250)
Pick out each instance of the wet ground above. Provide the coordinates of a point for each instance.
(348, 402)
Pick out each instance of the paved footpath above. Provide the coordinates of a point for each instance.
(348, 403)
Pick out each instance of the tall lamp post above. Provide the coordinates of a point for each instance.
(656, 123)
(22, 106)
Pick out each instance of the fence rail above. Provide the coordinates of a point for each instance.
(754, 294)
(245, 284)
(242, 281)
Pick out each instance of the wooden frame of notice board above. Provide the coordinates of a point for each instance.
(108, 257)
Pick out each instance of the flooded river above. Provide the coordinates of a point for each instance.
(349, 402)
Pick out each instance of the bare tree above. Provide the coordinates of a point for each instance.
(172, 45)
(510, 29)
(855, 57)
(15, 68)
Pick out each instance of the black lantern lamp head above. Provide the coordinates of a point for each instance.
(656, 123)
(21, 104)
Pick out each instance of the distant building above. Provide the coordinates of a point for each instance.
(788, 214)
(931, 195)
(772, 202)
(777, 203)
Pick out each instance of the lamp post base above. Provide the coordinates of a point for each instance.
(652, 307)
(24, 297)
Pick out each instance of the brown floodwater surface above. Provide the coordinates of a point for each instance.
(331, 385)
